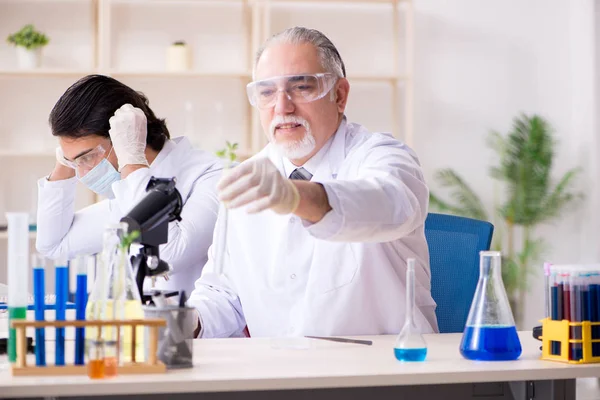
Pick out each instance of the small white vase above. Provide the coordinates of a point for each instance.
(29, 59)
(179, 58)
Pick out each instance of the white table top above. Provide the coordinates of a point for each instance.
(257, 364)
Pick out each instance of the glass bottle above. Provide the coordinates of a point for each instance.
(124, 302)
(490, 333)
(115, 296)
(410, 345)
(96, 306)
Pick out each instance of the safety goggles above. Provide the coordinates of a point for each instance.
(302, 88)
(87, 161)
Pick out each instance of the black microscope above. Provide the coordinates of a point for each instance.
(151, 217)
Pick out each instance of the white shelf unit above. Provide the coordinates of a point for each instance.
(127, 39)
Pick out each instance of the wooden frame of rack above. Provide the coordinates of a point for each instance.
(152, 366)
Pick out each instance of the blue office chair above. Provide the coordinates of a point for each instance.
(454, 246)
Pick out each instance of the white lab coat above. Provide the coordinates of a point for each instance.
(62, 232)
(344, 275)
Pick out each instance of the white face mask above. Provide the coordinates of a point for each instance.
(296, 149)
(101, 178)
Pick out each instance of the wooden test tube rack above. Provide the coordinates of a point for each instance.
(152, 366)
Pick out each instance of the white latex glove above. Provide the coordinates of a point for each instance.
(128, 131)
(60, 157)
(259, 184)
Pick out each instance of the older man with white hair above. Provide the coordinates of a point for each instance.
(322, 221)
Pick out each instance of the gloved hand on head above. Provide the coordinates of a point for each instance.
(128, 132)
(258, 184)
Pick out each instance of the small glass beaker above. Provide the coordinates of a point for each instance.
(111, 359)
(175, 341)
(96, 359)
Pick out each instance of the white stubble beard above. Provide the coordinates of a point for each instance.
(297, 149)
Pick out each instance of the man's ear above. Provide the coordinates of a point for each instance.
(341, 94)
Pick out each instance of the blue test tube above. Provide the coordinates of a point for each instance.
(585, 296)
(595, 307)
(62, 292)
(576, 315)
(80, 267)
(39, 305)
(557, 292)
(554, 309)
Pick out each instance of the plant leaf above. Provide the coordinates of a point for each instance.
(467, 203)
(129, 238)
(558, 199)
(28, 38)
(510, 276)
(442, 206)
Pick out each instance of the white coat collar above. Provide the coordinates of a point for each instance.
(175, 146)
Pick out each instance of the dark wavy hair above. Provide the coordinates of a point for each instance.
(85, 108)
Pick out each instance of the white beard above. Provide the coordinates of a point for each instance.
(293, 150)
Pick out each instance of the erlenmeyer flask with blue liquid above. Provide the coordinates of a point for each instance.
(490, 333)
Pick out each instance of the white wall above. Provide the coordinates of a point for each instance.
(477, 65)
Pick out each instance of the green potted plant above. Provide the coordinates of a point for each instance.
(530, 197)
(29, 44)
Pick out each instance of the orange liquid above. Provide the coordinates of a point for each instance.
(96, 369)
(110, 367)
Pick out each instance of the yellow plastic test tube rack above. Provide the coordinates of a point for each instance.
(558, 331)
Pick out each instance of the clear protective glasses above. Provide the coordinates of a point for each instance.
(302, 88)
(86, 162)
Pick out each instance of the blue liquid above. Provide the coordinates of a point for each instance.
(490, 343)
(62, 291)
(39, 286)
(80, 303)
(410, 354)
(555, 346)
(595, 317)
